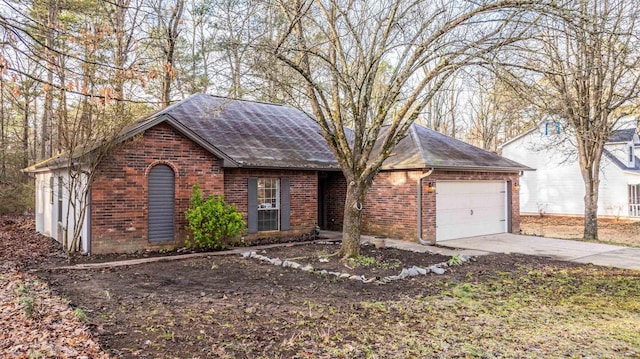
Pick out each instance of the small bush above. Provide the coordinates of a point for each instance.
(212, 222)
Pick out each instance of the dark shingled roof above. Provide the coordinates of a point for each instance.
(262, 135)
(426, 148)
(625, 135)
(256, 134)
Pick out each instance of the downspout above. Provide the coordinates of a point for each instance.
(88, 214)
(419, 203)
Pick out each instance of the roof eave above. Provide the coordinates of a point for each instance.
(290, 168)
(464, 168)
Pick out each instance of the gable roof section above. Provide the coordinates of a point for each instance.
(255, 134)
(426, 148)
(611, 157)
(617, 136)
(625, 135)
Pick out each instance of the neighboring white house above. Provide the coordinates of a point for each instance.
(557, 187)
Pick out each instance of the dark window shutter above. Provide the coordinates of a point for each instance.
(285, 204)
(252, 205)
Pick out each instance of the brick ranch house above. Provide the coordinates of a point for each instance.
(271, 162)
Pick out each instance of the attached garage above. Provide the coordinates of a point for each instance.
(471, 208)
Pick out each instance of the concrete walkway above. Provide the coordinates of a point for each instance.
(562, 249)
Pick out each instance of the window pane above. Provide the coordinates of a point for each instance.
(268, 203)
(268, 220)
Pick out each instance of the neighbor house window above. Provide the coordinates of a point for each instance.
(268, 204)
(634, 200)
(631, 154)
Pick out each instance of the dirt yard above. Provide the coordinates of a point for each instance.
(609, 230)
(235, 307)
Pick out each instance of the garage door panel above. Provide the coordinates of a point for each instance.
(465, 209)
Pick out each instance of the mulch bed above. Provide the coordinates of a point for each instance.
(227, 306)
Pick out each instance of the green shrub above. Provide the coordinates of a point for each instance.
(213, 222)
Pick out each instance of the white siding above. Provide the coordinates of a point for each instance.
(44, 208)
(557, 187)
(48, 221)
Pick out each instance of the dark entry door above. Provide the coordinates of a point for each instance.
(161, 203)
(322, 201)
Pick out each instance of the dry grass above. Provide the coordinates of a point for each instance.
(624, 232)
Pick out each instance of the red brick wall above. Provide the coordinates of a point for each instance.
(391, 210)
(390, 206)
(303, 196)
(119, 193)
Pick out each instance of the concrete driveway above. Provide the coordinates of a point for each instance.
(567, 250)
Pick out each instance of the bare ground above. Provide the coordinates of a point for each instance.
(232, 307)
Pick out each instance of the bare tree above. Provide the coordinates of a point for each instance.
(48, 28)
(165, 33)
(442, 112)
(582, 68)
(495, 111)
(374, 66)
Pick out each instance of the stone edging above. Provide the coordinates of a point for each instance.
(438, 268)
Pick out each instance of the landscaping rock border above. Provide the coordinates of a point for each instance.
(438, 269)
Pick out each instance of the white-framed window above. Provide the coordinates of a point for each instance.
(268, 204)
(631, 154)
(634, 200)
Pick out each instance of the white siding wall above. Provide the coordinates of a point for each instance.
(48, 221)
(44, 207)
(556, 187)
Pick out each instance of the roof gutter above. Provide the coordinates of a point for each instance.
(466, 169)
(419, 203)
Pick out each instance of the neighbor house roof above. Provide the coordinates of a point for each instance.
(263, 135)
(426, 148)
(625, 135)
(617, 136)
(611, 157)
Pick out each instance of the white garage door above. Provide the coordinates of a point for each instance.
(466, 209)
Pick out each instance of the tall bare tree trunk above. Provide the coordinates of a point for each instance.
(120, 57)
(46, 147)
(591, 210)
(352, 222)
(25, 134)
(591, 175)
(169, 51)
(3, 154)
(351, 228)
